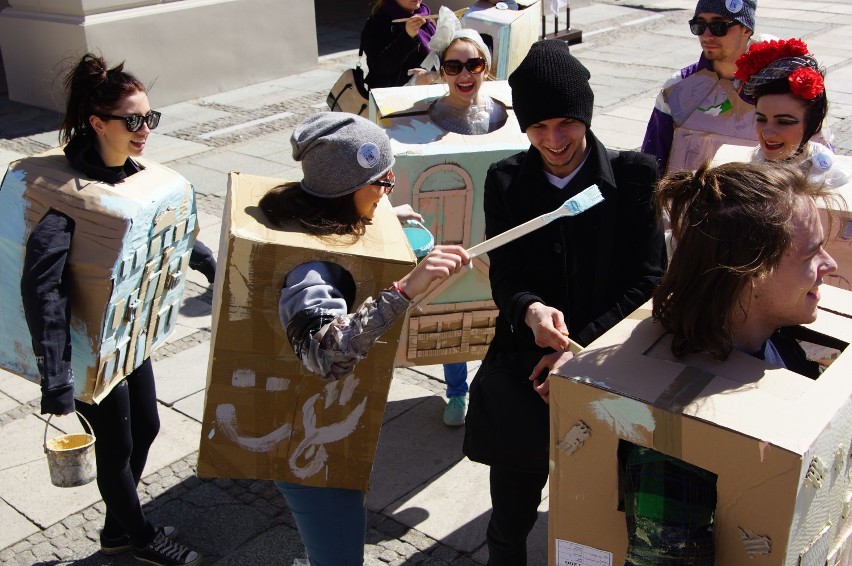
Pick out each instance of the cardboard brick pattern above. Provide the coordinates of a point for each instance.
(265, 415)
(128, 261)
(442, 176)
(778, 442)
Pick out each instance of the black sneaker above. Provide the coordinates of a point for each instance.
(163, 551)
(123, 543)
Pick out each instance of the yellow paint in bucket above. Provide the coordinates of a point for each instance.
(70, 457)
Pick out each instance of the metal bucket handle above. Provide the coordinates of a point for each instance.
(47, 424)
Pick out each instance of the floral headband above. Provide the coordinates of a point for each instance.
(447, 31)
(768, 61)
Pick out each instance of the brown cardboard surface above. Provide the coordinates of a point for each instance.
(266, 416)
(128, 258)
(757, 427)
(441, 175)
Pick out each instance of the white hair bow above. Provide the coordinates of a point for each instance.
(448, 30)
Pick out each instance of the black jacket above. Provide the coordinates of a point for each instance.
(390, 51)
(596, 268)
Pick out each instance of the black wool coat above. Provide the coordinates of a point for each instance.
(596, 268)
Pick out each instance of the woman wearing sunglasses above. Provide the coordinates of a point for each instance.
(106, 125)
(462, 60)
(786, 84)
(346, 162)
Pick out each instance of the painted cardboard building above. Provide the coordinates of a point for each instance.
(509, 33)
(778, 442)
(442, 176)
(128, 261)
(265, 415)
(836, 216)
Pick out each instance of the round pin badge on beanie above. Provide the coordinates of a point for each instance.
(368, 155)
(734, 6)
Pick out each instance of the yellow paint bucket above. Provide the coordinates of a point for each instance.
(70, 457)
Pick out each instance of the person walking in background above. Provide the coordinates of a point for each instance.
(395, 49)
(698, 108)
(106, 124)
(347, 165)
(786, 83)
(576, 277)
(748, 264)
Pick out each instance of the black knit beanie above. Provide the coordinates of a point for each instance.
(551, 83)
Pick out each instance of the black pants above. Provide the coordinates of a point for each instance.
(125, 425)
(515, 497)
(201, 259)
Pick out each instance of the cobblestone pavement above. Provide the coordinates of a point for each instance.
(259, 528)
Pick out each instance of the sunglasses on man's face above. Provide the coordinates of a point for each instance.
(717, 28)
(453, 67)
(134, 121)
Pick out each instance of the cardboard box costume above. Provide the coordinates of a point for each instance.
(265, 415)
(511, 32)
(707, 112)
(778, 442)
(128, 261)
(442, 176)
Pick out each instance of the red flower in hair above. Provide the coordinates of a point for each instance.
(806, 83)
(763, 53)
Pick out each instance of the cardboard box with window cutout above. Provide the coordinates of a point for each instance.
(778, 442)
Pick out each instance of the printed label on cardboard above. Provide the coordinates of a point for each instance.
(572, 554)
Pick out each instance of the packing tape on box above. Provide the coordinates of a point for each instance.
(668, 408)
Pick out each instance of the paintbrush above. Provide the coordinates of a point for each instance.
(429, 17)
(581, 202)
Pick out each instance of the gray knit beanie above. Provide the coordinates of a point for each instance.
(340, 152)
(551, 83)
(741, 11)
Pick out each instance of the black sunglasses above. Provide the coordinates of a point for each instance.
(717, 28)
(453, 67)
(386, 185)
(134, 121)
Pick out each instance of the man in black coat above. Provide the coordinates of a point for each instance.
(576, 277)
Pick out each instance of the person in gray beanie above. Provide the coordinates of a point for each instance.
(346, 166)
(698, 109)
(576, 277)
(347, 163)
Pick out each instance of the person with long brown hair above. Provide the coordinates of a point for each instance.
(347, 171)
(106, 125)
(748, 265)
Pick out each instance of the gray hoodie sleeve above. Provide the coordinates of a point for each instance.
(313, 309)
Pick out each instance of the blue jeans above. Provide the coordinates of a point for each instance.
(332, 522)
(456, 377)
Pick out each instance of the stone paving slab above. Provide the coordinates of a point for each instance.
(20, 389)
(204, 179)
(403, 396)
(27, 488)
(278, 546)
(413, 449)
(162, 148)
(22, 441)
(192, 406)
(195, 313)
(15, 526)
(7, 403)
(183, 374)
(453, 508)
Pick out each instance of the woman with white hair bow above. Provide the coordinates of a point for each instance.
(462, 61)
